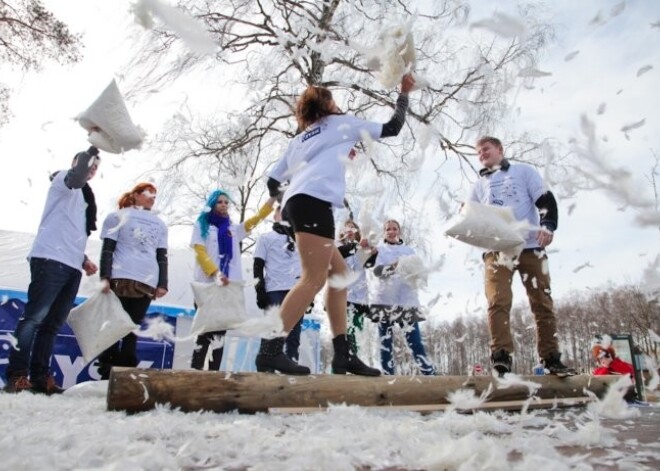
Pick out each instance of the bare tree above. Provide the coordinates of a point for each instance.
(29, 34)
(271, 49)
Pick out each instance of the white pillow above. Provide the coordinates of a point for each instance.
(218, 307)
(99, 322)
(411, 268)
(392, 56)
(489, 227)
(109, 113)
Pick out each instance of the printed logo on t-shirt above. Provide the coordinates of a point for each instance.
(311, 133)
(503, 192)
(146, 236)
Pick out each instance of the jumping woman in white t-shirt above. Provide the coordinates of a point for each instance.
(314, 165)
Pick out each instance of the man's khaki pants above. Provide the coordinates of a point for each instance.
(532, 265)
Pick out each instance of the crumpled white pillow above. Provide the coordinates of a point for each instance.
(109, 113)
(218, 307)
(393, 56)
(411, 268)
(489, 227)
(99, 322)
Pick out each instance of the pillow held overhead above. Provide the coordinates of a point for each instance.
(108, 123)
(489, 227)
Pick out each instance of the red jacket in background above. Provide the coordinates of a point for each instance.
(617, 367)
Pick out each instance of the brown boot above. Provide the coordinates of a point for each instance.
(16, 384)
(46, 386)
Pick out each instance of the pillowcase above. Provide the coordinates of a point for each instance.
(108, 113)
(99, 322)
(489, 227)
(218, 307)
(411, 268)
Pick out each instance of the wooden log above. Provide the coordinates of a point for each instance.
(136, 390)
(533, 403)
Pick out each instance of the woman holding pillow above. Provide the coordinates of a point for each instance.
(133, 265)
(394, 299)
(216, 242)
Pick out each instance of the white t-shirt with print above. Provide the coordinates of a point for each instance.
(518, 188)
(392, 290)
(62, 234)
(282, 266)
(211, 244)
(315, 161)
(138, 233)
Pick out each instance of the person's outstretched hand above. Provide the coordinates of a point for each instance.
(407, 83)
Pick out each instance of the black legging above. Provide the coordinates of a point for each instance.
(201, 349)
(123, 353)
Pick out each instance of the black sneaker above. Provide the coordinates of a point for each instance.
(554, 366)
(501, 361)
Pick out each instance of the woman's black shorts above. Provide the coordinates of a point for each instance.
(308, 214)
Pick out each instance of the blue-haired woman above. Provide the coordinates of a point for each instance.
(216, 242)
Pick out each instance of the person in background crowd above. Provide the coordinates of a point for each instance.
(358, 255)
(610, 364)
(394, 300)
(314, 165)
(56, 258)
(520, 187)
(216, 242)
(277, 267)
(133, 265)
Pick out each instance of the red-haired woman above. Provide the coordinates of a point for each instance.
(315, 166)
(133, 265)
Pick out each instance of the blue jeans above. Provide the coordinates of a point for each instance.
(51, 294)
(292, 344)
(414, 339)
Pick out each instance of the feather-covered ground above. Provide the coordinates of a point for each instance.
(74, 431)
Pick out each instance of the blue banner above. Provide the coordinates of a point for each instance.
(67, 363)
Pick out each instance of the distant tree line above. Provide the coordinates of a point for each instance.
(456, 346)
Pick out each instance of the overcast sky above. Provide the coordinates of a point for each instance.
(597, 243)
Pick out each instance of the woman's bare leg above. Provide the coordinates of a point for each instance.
(315, 260)
(335, 299)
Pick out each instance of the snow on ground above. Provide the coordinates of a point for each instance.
(75, 431)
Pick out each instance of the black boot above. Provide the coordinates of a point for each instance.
(346, 361)
(271, 358)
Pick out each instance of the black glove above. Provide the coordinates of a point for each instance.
(262, 298)
(93, 151)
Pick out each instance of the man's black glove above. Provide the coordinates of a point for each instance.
(262, 298)
(93, 151)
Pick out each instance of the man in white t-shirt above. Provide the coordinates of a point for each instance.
(521, 188)
(56, 258)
